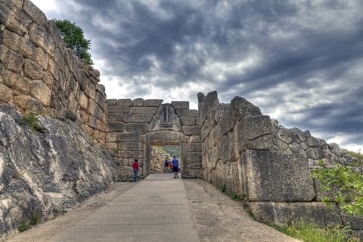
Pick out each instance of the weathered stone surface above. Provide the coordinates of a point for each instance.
(41, 58)
(34, 12)
(40, 38)
(118, 109)
(115, 126)
(180, 104)
(13, 18)
(137, 118)
(136, 127)
(152, 102)
(131, 146)
(138, 102)
(191, 130)
(195, 147)
(143, 110)
(61, 169)
(115, 117)
(285, 213)
(40, 91)
(188, 121)
(32, 70)
(83, 101)
(187, 113)
(194, 156)
(10, 59)
(272, 176)
(6, 94)
(124, 102)
(129, 137)
(18, 44)
(16, 82)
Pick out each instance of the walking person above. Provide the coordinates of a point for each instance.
(175, 167)
(166, 166)
(135, 167)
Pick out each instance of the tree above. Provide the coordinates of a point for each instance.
(74, 39)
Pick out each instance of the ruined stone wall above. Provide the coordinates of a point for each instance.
(246, 153)
(39, 74)
(133, 126)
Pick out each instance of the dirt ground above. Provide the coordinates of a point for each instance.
(215, 216)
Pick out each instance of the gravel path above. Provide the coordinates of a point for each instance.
(215, 216)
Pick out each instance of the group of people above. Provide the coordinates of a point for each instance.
(172, 166)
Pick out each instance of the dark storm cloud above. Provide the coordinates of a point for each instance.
(301, 60)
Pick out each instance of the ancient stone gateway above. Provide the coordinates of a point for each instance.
(134, 126)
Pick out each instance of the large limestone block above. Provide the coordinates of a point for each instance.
(18, 44)
(83, 101)
(151, 110)
(129, 137)
(191, 130)
(138, 118)
(10, 59)
(255, 133)
(137, 127)
(189, 121)
(273, 176)
(115, 126)
(138, 102)
(195, 147)
(131, 146)
(115, 117)
(35, 13)
(13, 18)
(40, 91)
(152, 102)
(16, 82)
(187, 112)
(41, 58)
(207, 104)
(6, 94)
(170, 137)
(194, 156)
(180, 104)
(118, 109)
(41, 38)
(124, 102)
(285, 213)
(242, 108)
(28, 103)
(32, 70)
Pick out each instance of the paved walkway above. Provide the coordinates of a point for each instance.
(156, 209)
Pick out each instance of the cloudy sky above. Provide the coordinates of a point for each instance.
(300, 61)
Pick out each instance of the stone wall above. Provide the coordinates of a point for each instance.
(48, 171)
(39, 74)
(247, 153)
(133, 126)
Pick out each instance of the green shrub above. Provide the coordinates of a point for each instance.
(310, 232)
(32, 120)
(24, 225)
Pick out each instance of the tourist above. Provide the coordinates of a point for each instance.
(135, 167)
(175, 163)
(166, 166)
(170, 167)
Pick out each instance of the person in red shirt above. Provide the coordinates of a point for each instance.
(170, 167)
(135, 167)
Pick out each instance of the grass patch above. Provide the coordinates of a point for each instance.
(24, 225)
(32, 120)
(311, 233)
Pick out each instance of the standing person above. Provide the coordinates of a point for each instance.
(166, 166)
(175, 167)
(135, 167)
(170, 167)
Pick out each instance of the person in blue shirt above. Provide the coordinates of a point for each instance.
(175, 167)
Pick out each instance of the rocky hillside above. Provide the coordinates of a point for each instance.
(47, 166)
